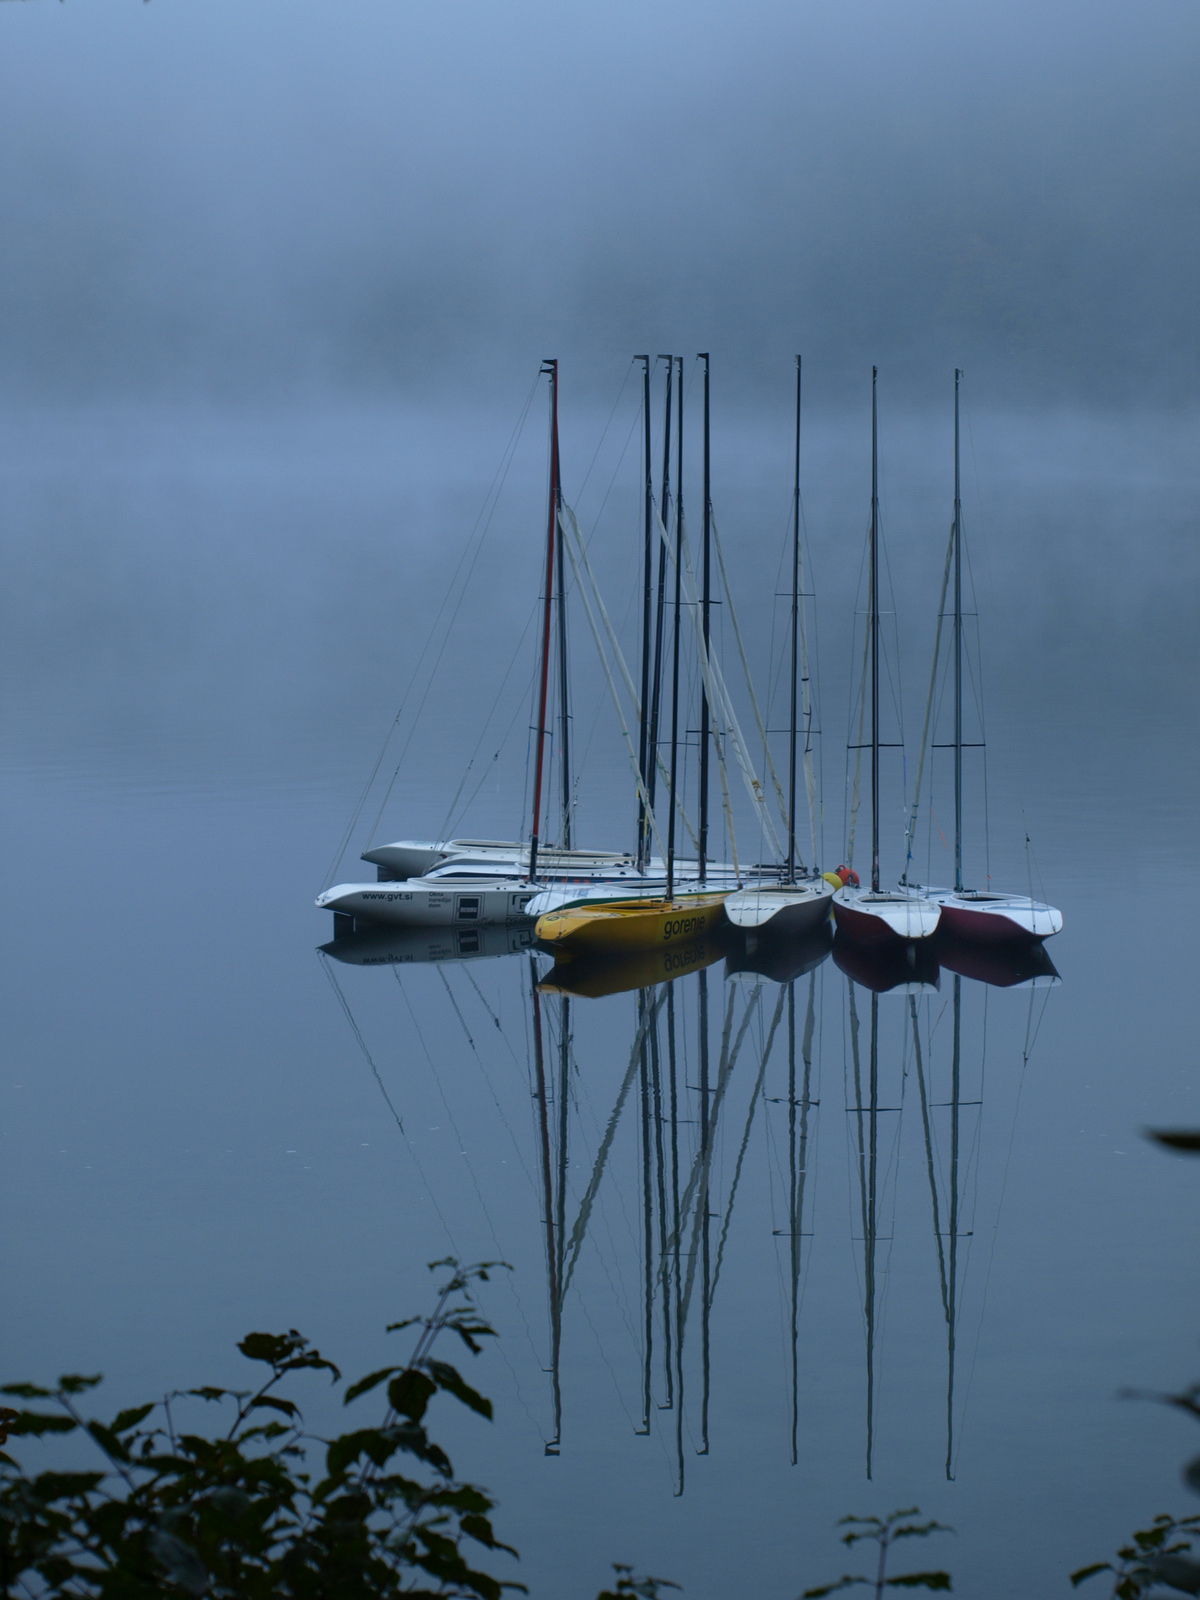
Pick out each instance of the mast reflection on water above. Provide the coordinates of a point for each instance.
(713, 1118)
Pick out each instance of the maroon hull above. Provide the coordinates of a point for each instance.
(982, 927)
(864, 928)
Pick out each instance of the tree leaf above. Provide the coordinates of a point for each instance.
(446, 1377)
(919, 1580)
(72, 1383)
(371, 1381)
(230, 1502)
(124, 1420)
(36, 1423)
(1184, 1139)
(411, 1392)
(1177, 1572)
(832, 1588)
(288, 1407)
(273, 1348)
(108, 1441)
(180, 1560)
(1089, 1572)
(27, 1391)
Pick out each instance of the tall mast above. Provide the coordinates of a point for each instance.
(791, 858)
(958, 883)
(643, 828)
(873, 625)
(675, 634)
(656, 688)
(564, 718)
(550, 368)
(706, 602)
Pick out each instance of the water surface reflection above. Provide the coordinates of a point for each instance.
(676, 1106)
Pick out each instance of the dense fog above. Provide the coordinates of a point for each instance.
(276, 198)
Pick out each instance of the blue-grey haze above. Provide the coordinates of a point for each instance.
(277, 280)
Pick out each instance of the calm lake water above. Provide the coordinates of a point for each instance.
(726, 1325)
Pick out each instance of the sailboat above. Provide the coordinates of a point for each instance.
(979, 914)
(874, 916)
(796, 905)
(595, 922)
(444, 883)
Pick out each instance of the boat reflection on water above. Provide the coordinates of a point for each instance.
(909, 967)
(915, 968)
(1002, 966)
(763, 953)
(386, 945)
(676, 1123)
(593, 977)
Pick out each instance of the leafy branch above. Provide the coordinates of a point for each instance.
(238, 1514)
(885, 1532)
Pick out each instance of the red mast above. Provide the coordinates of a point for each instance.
(551, 369)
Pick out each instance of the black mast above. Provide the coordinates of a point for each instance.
(675, 636)
(791, 859)
(643, 827)
(958, 748)
(873, 625)
(563, 703)
(707, 593)
(656, 687)
(550, 369)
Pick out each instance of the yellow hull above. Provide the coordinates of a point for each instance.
(618, 925)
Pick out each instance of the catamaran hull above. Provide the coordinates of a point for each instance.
(885, 919)
(786, 911)
(998, 921)
(643, 925)
(417, 904)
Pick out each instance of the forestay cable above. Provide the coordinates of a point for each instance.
(741, 649)
(714, 683)
(937, 646)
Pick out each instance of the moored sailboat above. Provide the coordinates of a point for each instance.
(799, 904)
(875, 916)
(982, 915)
(642, 921)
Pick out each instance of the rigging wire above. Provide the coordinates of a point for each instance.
(493, 495)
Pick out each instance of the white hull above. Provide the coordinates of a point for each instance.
(413, 858)
(978, 914)
(426, 903)
(784, 908)
(872, 917)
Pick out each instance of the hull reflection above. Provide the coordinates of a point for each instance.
(1003, 966)
(908, 968)
(384, 945)
(776, 956)
(591, 977)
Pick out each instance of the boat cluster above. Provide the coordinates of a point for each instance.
(602, 904)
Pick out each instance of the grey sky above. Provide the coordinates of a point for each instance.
(248, 197)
